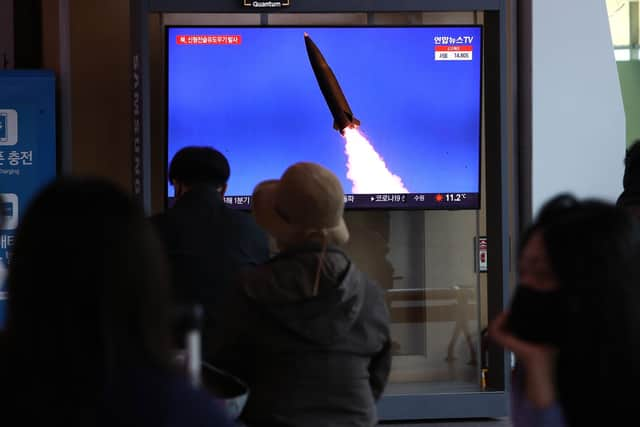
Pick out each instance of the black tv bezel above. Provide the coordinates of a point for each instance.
(454, 207)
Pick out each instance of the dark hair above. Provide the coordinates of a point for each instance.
(553, 208)
(199, 165)
(631, 181)
(594, 251)
(87, 298)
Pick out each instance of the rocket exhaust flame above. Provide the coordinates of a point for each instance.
(366, 169)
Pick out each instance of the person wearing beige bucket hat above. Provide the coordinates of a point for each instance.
(307, 331)
(307, 203)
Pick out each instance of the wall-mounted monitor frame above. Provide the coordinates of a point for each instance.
(501, 151)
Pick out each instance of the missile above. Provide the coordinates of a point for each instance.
(333, 95)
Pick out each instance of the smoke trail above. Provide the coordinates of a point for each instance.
(366, 169)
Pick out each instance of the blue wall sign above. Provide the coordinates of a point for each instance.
(27, 151)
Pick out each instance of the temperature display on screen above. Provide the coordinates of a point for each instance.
(455, 197)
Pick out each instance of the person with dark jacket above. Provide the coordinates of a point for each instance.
(307, 331)
(208, 243)
(87, 338)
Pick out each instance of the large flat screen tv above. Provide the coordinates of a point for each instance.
(394, 112)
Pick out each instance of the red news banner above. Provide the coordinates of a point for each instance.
(453, 53)
(206, 40)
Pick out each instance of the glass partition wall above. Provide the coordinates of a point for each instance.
(427, 264)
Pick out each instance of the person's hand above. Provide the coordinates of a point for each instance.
(538, 361)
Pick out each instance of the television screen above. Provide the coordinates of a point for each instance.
(394, 112)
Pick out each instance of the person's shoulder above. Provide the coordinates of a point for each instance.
(374, 296)
(525, 414)
(244, 222)
(153, 396)
(163, 220)
(163, 225)
(240, 216)
(193, 407)
(371, 287)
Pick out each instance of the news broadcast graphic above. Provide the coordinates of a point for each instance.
(394, 112)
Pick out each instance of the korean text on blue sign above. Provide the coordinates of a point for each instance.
(27, 152)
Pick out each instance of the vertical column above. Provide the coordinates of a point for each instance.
(578, 119)
(56, 56)
(27, 30)
(140, 81)
(634, 29)
(88, 48)
(496, 178)
(6, 35)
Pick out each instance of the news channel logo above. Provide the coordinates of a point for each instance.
(8, 127)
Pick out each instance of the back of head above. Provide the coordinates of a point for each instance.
(630, 196)
(87, 296)
(593, 248)
(198, 166)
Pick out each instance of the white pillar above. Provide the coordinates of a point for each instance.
(578, 115)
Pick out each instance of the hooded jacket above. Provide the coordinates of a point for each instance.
(309, 360)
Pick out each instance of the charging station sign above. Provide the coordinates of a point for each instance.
(27, 152)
